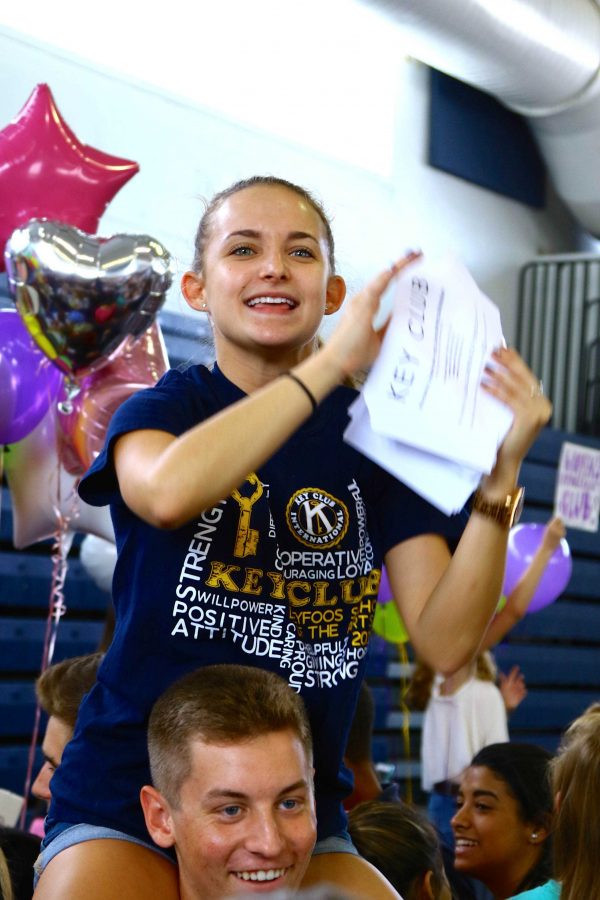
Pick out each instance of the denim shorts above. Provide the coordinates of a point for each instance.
(335, 843)
(63, 836)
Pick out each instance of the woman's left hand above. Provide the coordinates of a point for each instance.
(513, 382)
(355, 342)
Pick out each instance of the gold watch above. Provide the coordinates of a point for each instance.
(505, 512)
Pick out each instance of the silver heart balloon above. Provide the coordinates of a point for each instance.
(81, 296)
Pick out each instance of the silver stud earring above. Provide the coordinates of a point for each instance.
(534, 835)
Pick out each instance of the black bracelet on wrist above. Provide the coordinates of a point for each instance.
(301, 384)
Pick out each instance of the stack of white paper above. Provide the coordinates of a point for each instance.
(422, 414)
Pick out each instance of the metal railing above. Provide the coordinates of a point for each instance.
(558, 334)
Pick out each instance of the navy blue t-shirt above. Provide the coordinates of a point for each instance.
(282, 574)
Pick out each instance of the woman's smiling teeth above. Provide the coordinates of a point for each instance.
(272, 301)
(261, 875)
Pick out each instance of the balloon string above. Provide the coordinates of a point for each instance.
(405, 709)
(56, 610)
(57, 606)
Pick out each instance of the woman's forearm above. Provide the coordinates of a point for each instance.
(168, 480)
(447, 602)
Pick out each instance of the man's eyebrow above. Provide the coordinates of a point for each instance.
(292, 236)
(299, 785)
(226, 794)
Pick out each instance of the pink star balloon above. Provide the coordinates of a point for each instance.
(46, 172)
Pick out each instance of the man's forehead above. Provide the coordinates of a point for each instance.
(234, 766)
(58, 734)
(282, 735)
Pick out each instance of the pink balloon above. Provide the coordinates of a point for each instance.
(41, 490)
(385, 589)
(45, 170)
(29, 383)
(139, 364)
(523, 541)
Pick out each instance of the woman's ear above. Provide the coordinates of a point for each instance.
(335, 293)
(192, 288)
(538, 833)
(157, 815)
(427, 892)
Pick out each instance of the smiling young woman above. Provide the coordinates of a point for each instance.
(250, 532)
(503, 818)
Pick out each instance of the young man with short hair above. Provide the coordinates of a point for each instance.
(59, 690)
(231, 760)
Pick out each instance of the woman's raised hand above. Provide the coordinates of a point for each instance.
(554, 532)
(512, 381)
(356, 342)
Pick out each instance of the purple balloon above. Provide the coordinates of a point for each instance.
(29, 382)
(523, 541)
(385, 588)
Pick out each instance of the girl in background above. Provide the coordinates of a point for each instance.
(503, 818)
(402, 844)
